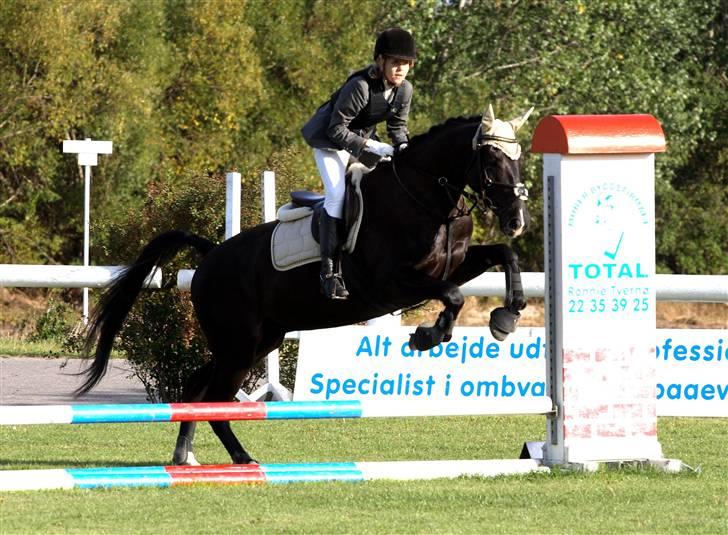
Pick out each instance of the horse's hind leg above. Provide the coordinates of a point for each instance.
(223, 387)
(194, 390)
(228, 375)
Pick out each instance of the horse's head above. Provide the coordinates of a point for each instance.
(498, 180)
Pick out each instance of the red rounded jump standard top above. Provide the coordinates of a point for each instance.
(598, 134)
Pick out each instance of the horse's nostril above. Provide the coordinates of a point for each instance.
(514, 224)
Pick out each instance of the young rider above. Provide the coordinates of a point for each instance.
(345, 126)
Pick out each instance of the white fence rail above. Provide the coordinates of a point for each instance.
(40, 276)
(693, 288)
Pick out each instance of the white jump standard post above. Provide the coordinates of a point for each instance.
(88, 151)
(272, 389)
(599, 221)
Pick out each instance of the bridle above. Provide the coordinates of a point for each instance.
(479, 199)
(518, 189)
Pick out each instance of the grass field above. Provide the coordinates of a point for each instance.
(623, 501)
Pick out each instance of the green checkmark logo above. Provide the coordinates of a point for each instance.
(613, 255)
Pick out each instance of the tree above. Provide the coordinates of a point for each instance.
(185, 86)
(72, 70)
(596, 57)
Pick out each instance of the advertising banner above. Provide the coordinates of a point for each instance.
(370, 363)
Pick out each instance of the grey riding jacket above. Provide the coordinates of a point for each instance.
(351, 115)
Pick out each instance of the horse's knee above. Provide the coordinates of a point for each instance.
(505, 254)
(455, 298)
(519, 302)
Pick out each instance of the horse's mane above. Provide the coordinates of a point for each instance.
(436, 129)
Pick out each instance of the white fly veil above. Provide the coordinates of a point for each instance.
(500, 134)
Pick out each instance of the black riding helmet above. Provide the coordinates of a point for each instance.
(396, 43)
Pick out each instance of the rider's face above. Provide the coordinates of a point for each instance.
(395, 70)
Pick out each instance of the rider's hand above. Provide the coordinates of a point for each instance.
(380, 149)
(400, 147)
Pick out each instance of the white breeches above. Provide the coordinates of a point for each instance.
(332, 168)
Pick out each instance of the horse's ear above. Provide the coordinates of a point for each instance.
(520, 121)
(488, 119)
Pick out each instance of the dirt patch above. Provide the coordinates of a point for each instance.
(18, 310)
(674, 315)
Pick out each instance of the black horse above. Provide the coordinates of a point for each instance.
(413, 245)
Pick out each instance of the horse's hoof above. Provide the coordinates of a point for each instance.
(498, 335)
(243, 458)
(189, 460)
(503, 322)
(425, 338)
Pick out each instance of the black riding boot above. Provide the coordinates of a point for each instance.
(332, 285)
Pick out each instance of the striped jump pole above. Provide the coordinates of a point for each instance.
(170, 476)
(257, 410)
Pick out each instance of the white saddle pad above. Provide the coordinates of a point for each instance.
(292, 244)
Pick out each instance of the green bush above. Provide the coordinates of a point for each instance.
(53, 324)
(163, 344)
(161, 336)
(288, 358)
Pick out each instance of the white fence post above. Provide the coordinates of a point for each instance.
(88, 152)
(269, 196)
(272, 389)
(233, 192)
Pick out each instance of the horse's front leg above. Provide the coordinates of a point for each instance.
(479, 258)
(417, 287)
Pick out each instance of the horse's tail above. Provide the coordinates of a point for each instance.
(116, 302)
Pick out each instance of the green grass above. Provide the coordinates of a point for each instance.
(13, 347)
(624, 501)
